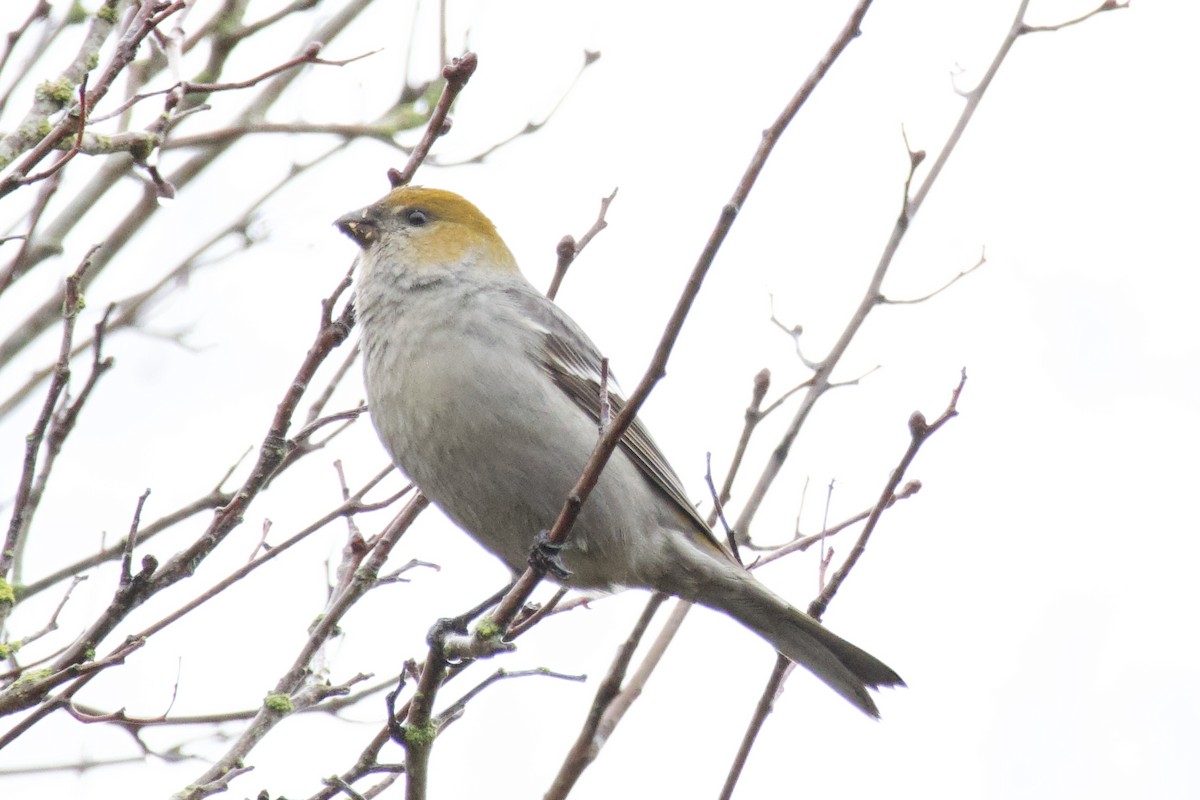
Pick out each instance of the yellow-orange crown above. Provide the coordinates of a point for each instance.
(456, 228)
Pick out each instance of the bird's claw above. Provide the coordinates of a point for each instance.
(546, 556)
(445, 626)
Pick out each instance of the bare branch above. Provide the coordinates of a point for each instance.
(131, 542)
(1107, 5)
(568, 249)
(609, 440)
(921, 431)
(181, 88)
(982, 260)
(766, 701)
(456, 73)
(287, 688)
(24, 502)
(589, 57)
(587, 745)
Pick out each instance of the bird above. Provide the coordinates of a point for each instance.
(488, 396)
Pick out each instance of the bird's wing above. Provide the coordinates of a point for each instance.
(573, 363)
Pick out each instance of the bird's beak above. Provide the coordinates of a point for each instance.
(360, 225)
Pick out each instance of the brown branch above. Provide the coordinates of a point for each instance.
(351, 506)
(568, 249)
(753, 416)
(291, 682)
(181, 88)
(589, 57)
(1107, 5)
(112, 171)
(24, 503)
(525, 622)
(608, 441)
(873, 296)
(51, 625)
(920, 431)
(609, 707)
(322, 399)
(133, 308)
(456, 73)
(610, 438)
(419, 730)
(125, 51)
(40, 11)
(719, 508)
(779, 401)
(61, 425)
(150, 580)
(301, 444)
(131, 542)
(586, 746)
(214, 499)
(32, 691)
(76, 148)
(803, 543)
(794, 332)
(1016, 30)
(766, 701)
(368, 761)
(220, 27)
(455, 709)
(914, 300)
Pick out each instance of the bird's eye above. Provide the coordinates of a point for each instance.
(417, 217)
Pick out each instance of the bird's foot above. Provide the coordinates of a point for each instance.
(446, 626)
(546, 556)
(452, 637)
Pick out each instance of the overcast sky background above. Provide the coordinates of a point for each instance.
(1036, 595)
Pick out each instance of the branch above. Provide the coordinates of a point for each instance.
(574, 765)
(149, 580)
(589, 57)
(143, 23)
(456, 73)
(24, 503)
(920, 431)
(873, 296)
(285, 697)
(308, 56)
(1107, 5)
(568, 249)
(589, 741)
(781, 669)
(913, 301)
(611, 437)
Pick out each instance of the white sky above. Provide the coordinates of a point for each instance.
(1036, 595)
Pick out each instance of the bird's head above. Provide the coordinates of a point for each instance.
(428, 228)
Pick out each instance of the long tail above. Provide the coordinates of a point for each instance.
(847, 669)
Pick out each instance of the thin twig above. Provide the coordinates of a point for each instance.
(587, 746)
(914, 300)
(291, 682)
(920, 431)
(569, 249)
(131, 541)
(509, 607)
(589, 57)
(23, 506)
(308, 56)
(766, 700)
(456, 73)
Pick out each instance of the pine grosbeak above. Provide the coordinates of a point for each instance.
(487, 395)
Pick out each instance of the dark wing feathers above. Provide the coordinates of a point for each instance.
(573, 363)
